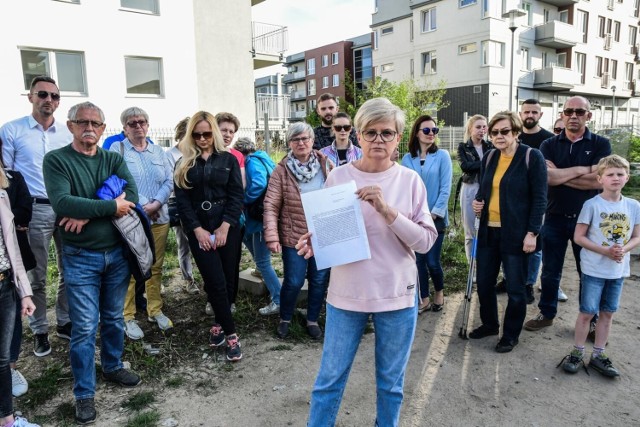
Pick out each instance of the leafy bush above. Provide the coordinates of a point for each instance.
(634, 149)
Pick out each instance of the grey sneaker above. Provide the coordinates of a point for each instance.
(122, 377)
(272, 308)
(85, 411)
(19, 385)
(603, 365)
(132, 329)
(573, 361)
(164, 323)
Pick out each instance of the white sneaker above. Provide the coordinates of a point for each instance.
(19, 385)
(272, 308)
(164, 323)
(208, 309)
(562, 297)
(233, 308)
(132, 330)
(22, 422)
(192, 287)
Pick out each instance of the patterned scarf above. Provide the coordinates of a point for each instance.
(304, 172)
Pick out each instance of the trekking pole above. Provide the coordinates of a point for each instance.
(467, 296)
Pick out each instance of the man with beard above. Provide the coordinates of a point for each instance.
(26, 141)
(96, 270)
(533, 135)
(327, 107)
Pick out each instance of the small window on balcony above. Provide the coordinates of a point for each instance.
(525, 59)
(144, 76)
(527, 8)
(145, 6)
(325, 61)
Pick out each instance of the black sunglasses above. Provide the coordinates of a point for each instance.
(427, 131)
(85, 123)
(339, 128)
(136, 123)
(557, 130)
(579, 112)
(43, 94)
(198, 135)
(503, 132)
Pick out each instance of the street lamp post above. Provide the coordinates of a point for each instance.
(513, 14)
(613, 106)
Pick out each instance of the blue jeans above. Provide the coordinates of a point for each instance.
(429, 264)
(600, 294)
(262, 257)
(296, 268)
(394, 336)
(489, 258)
(556, 233)
(535, 259)
(96, 284)
(7, 320)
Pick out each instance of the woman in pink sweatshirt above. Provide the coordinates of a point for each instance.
(398, 222)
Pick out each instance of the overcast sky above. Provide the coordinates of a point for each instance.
(314, 23)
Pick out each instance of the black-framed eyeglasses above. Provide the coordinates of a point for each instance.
(427, 131)
(386, 135)
(43, 94)
(340, 128)
(579, 112)
(136, 123)
(303, 139)
(557, 130)
(199, 135)
(85, 123)
(503, 132)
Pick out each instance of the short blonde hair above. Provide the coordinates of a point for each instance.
(613, 161)
(377, 110)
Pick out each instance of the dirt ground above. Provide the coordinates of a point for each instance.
(449, 381)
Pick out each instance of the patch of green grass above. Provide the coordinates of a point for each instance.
(139, 401)
(281, 347)
(141, 360)
(145, 419)
(65, 414)
(174, 382)
(46, 386)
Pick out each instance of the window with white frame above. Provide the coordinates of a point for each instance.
(311, 87)
(524, 59)
(66, 67)
(464, 3)
(428, 20)
(387, 30)
(325, 61)
(563, 16)
(628, 74)
(527, 8)
(335, 80)
(144, 76)
(467, 48)
(581, 68)
(583, 24)
(561, 60)
(334, 58)
(494, 8)
(429, 64)
(616, 31)
(385, 68)
(601, 26)
(312, 104)
(148, 6)
(614, 69)
(311, 66)
(325, 82)
(492, 53)
(598, 66)
(633, 34)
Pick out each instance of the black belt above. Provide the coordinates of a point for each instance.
(5, 275)
(207, 205)
(40, 201)
(568, 216)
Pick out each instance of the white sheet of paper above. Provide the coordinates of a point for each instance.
(335, 220)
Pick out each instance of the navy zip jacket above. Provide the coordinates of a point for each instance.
(523, 198)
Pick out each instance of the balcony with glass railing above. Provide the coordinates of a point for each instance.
(268, 44)
(556, 35)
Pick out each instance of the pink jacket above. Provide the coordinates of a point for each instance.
(13, 251)
(389, 280)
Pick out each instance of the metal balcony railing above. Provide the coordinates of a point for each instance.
(269, 39)
(275, 106)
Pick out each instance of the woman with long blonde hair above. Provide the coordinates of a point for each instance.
(208, 189)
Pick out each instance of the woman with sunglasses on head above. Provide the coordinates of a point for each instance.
(341, 151)
(301, 170)
(511, 203)
(470, 154)
(434, 167)
(208, 189)
(558, 126)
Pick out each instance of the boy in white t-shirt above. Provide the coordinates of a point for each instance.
(608, 228)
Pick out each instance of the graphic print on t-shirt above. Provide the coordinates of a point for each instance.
(615, 228)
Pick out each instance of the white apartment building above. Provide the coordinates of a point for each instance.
(561, 48)
(171, 58)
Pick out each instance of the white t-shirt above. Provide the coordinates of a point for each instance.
(609, 223)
